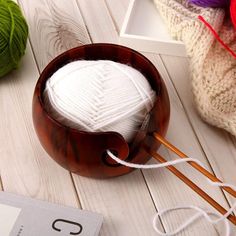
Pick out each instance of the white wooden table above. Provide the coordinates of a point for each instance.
(128, 203)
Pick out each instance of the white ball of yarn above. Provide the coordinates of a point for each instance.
(99, 96)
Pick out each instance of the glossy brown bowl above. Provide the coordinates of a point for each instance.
(82, 152)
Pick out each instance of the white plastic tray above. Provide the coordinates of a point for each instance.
(144, 30)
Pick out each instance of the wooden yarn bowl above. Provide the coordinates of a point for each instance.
(82, 152)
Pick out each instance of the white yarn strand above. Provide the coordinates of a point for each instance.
(191, 220)
(99, 96)
(201, 212)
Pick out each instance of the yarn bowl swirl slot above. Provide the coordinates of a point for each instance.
(84, 153)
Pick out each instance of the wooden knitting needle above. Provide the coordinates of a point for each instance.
(193, 164)
(193, 186)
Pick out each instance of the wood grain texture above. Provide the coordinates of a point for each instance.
(98, 13)
(89, 188)
(179, 129)
(24, 166)
(117, 10)
(124, 202)
(175, 188)
(55, 26)
(127, 203)
(218, 145)
(123, 212)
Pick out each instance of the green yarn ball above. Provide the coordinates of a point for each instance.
(13, 36)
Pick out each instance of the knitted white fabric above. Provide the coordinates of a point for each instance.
(213, 69)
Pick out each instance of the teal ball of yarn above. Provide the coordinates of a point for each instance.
(13, 36)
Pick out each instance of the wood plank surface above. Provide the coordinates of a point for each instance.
(222, 157)
(128, 203)
(24, 166)
(87, 188)
(178, 117)
(179, 129)
(118, 10)
(97, 20)
(55, 26)
(208, 136)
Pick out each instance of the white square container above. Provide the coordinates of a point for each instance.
(144, 30)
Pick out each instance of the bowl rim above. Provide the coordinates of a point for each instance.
(44, 76)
